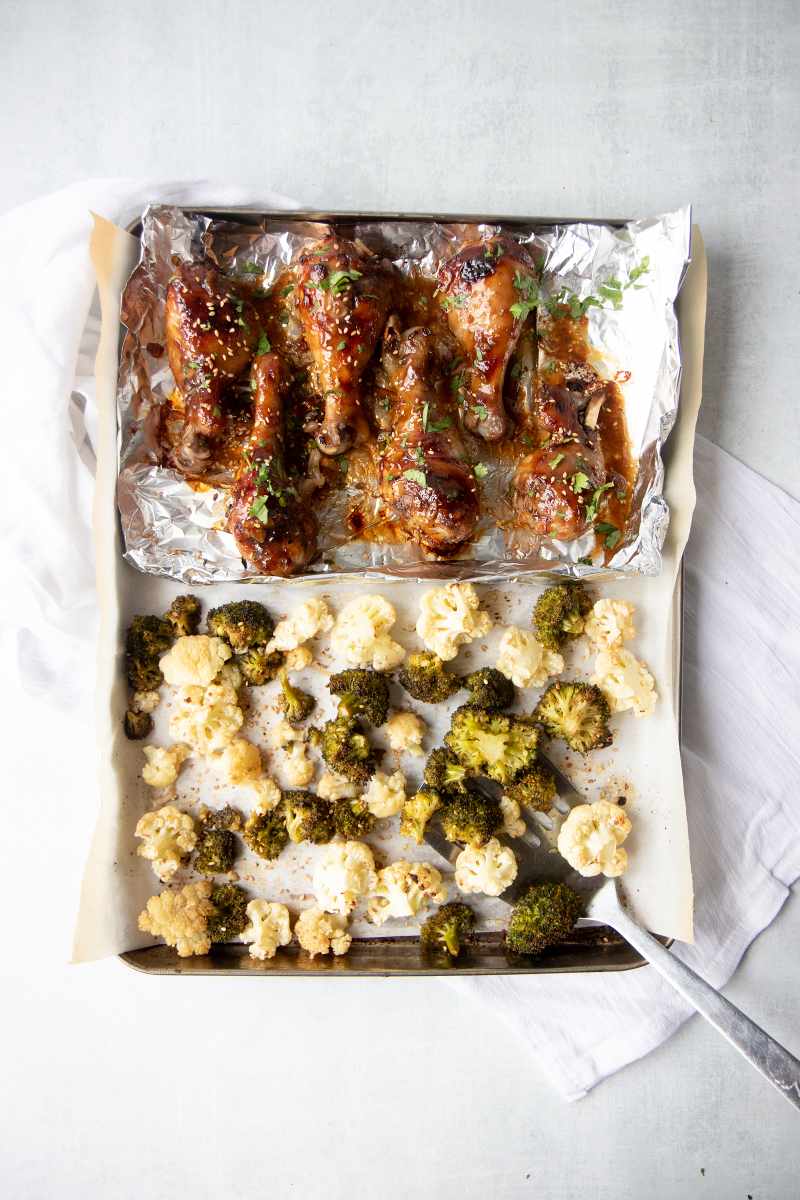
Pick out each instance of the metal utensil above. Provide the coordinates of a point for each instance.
(538, 859)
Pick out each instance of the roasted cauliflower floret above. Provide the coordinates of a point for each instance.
(181, 918)
(331, 786)
(267, 793)
(406, 731)
(168, 838)
(241, 762)
(488, 869)
(267, 928)
(298, 659)
(195, 660)
(305, 622)
(513, 824)
(385, 795)
(163, 764)
(524, 660)
(344, 872)
(625, 682)
(450, 617)
(591, 838)
(610, 623)
(360, 636)
(403, 889)
(319, 932)
(207, 719)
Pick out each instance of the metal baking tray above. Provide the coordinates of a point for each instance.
(588, 949)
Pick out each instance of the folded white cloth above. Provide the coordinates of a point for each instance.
(741, 658)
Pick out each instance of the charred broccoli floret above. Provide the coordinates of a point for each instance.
(259, 666)
(346, 749)
(534, 789)
(363, 693)
(242, 623)
(137, 725)
(470, 819)
(492, 744)
(266, 833)
(489, 689)
(228, 817)
(450, 929)
(295, 703)
(146, 640)
(425, 677)
(352, 819)
(215, 852)
(443, 772)
(558, 614)
(308, 819)
(183, 615)
(417, 811)
(229, 917)
(544, 915)
(577, 713)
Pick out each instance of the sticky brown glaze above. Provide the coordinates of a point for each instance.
(426, 483)
(211, 332)
(479, 286)
(341, 298)
(274, 529)
(553, 487)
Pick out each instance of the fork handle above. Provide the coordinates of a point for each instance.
(769, 1057)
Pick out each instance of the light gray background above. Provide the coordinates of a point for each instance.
(585, 108)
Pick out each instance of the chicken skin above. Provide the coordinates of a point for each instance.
(554, 485)
(273, 528)
(341, 297)
(211, 332)
(426, 483)
(484, 289)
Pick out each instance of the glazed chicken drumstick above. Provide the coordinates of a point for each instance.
(273, 528)
(341, 297)
(211, 332)
(426, 483)
(484, 287)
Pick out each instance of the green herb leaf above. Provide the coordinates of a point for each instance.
(555, 461)
(438, 426)
(416, 477)
(580, 482)
(251, 268)
(612, 534)
(341, 345)
(449, 302)
(425, 410)
(481, 411)
(260, 509)
(339, 281)
(343, 464)
(594, 503)
(481, 470)
(287, 291)
(264, 345)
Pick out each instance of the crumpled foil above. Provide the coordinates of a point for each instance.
(175, 529)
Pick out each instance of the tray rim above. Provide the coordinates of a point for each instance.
(162, 960)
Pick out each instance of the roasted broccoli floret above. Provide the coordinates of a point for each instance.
(228, 817)
(425, 677)
(346, 749)
(577, 713)
(137, 725)
(544, 915)
(242, 623)
(493, 744)
(215, 852)
(183, 615)
(295, 703)
(145, 642)
(534, 789)
(443, 772)
(352, 819)
(470, 819)
(417, 811)
(558, 614)
(489, 689)
(229, 917)
(363, 693)
(450, 929)
(266, 833)
(308, 819)
(259, 666)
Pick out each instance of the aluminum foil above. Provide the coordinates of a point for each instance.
(171, 527)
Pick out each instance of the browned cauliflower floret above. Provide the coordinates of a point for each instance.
(180, 917)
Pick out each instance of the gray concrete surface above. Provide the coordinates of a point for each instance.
(590, 108)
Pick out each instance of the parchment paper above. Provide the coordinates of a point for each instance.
(644, 763)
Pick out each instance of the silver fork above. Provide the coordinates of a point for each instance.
(538, 860)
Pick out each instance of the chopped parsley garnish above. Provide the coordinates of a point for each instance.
(481, 470)
(287, 291)
(416, 477)
(531, 296)
(260, 509)
(612, 534)
(251, 268)
(594, 503)
(580, 482)
(339, 281)
(341, 345)
(438, 426)
(343, 464)
(585, 561)
(555, 461)
(449, 302)
(264, 345)
(481, 411)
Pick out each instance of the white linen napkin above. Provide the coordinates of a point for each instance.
(741, 658)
